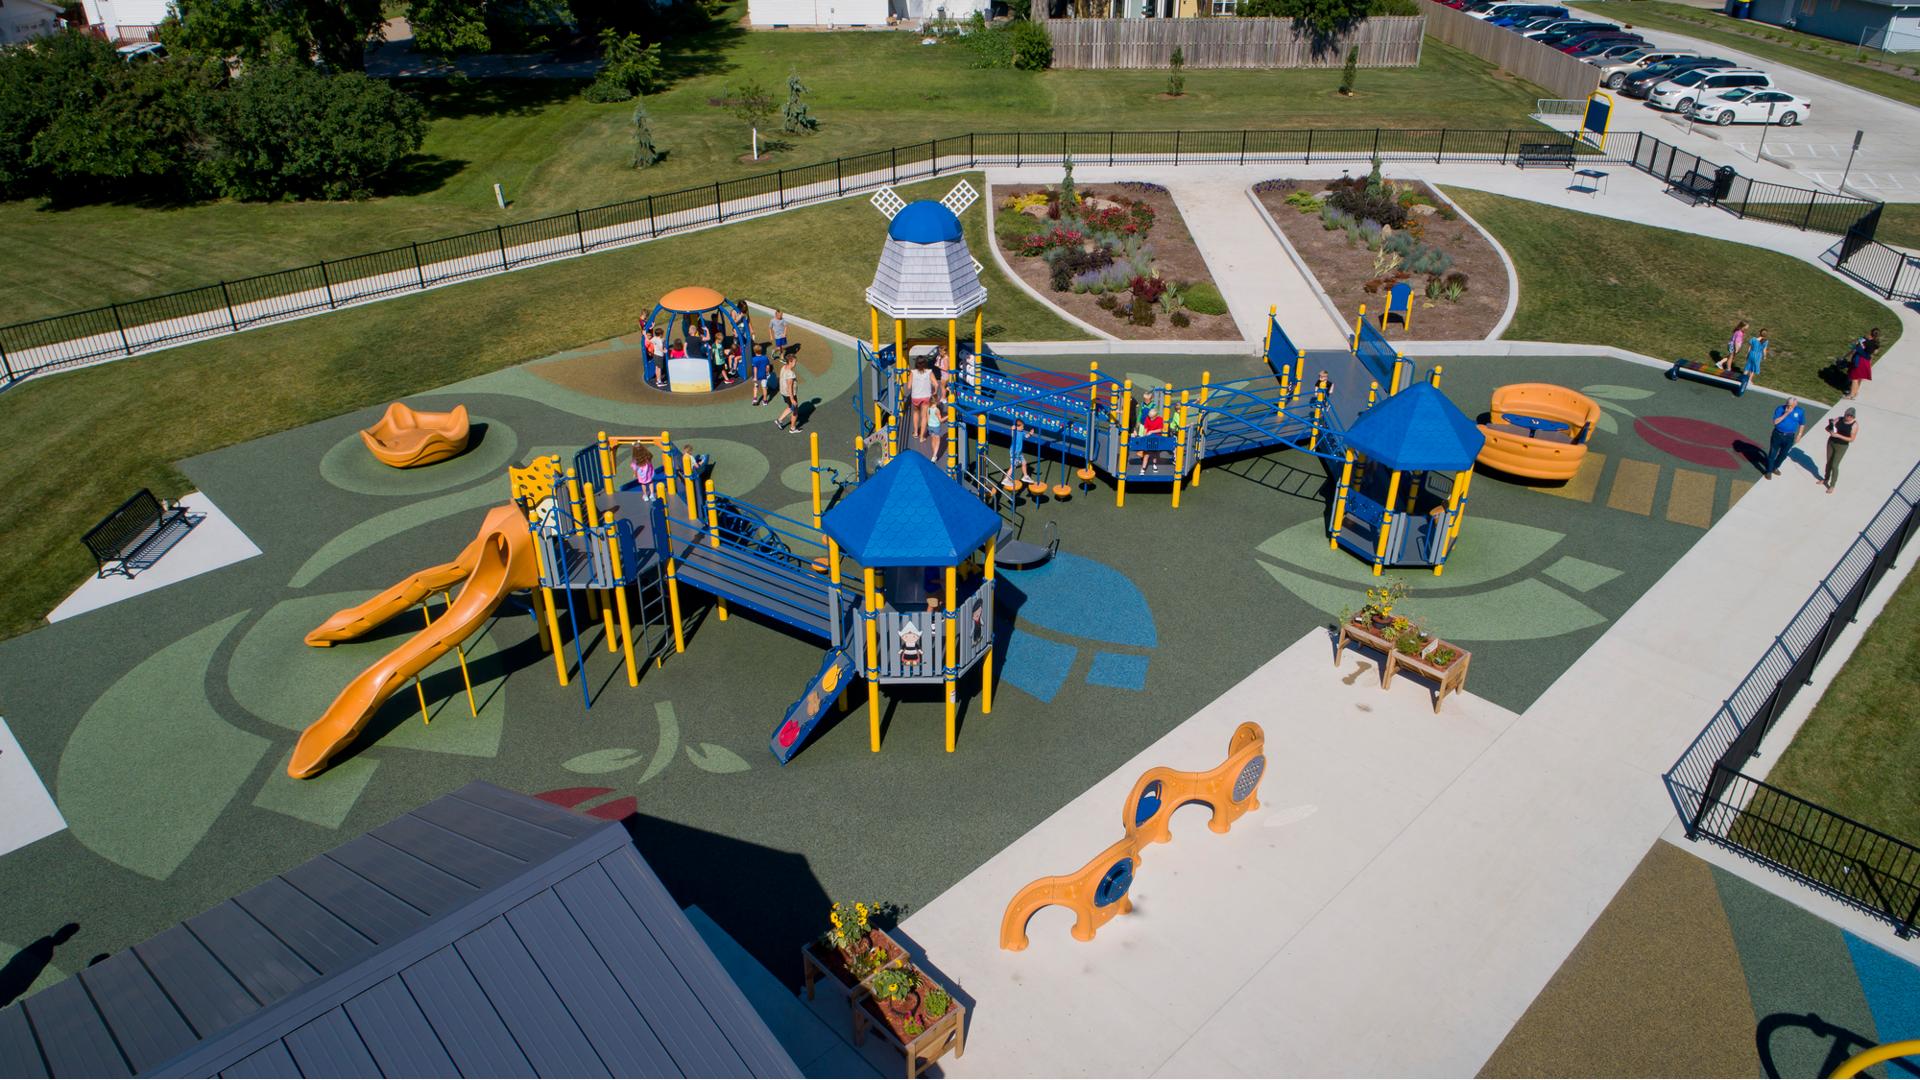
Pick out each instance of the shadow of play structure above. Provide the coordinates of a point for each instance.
(1097, 892)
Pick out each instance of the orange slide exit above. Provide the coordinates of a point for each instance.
(500, 561)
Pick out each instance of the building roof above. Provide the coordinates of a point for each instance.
(690, 299)
(926, 221)
(1417, 429)
(483, 934)
(910, 513)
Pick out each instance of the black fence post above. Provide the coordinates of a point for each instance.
(653, 223)
(780, 182)
(232, 321)
(933, 154)
(1243, 146)
(719, 209)
(1706, 796)
(1441, 150)
(5, 365)
(580, 230)
(1309, 146)
(500, 238)
(1376, 142)
(419, 274)
(1813, 198)
(1508, 148)
(839, 182)
(1109, 147)
(121, 326)
(971, 159)
(894, 154)
(1018, 149)
(1176, 146)
(327, 282)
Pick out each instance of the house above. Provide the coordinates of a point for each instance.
(484, 934)
(24, 20)
(1890, 25)
(124, 20)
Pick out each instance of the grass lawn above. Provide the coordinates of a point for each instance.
(1602, 281)
(1900, 225)
(1832, 59)
(1859, 752)
(815, 262)
(555, 151)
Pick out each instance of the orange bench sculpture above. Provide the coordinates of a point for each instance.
(1098, 891)
(406, 439)
(1552, 451)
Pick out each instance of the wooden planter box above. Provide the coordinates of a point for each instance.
(1446, 679)
(946, 1032)
(820, 961)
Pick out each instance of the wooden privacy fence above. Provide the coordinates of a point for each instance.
(1539, 64)
(1232, 42)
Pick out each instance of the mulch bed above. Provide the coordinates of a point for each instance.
(1343, 271)
(1175, 255)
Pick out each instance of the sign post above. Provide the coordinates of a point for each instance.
(1857, 135)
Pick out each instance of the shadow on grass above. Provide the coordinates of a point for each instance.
(449, 99)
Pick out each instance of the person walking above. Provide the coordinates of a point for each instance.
(1789, 423)
(1756, 353)
(1737, 339)
(1861, 369)
(760, 371)
(790, 393)
(1841, 431)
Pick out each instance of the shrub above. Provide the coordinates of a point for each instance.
(1012, 228)
(1108, 301)
(1176, 82)
(627, 68)
(1304, 201)
(1032, 47)
(1146, 290)
(1179, 319)
(1071, 262)
(1141, 314)
(1351, 72)
(1354, 200)
(1204, 297)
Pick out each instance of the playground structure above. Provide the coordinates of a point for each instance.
(683, 308)
(1538, 431)
(1416, 433)
(1097, 892)
(405, 439)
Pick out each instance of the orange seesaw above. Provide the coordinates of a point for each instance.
(1097, 891)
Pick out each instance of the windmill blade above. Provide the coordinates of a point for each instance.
(977, 267)
(961, 197)
(888, 202)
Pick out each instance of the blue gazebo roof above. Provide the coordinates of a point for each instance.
(910, 513)
(925, 222)
(1416, 430)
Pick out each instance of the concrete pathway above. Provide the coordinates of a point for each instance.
(214, 541)
(27, 810)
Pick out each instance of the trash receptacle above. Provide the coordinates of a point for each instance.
(1723, 181)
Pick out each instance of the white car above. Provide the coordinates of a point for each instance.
(1680, 93)
(1753, 107)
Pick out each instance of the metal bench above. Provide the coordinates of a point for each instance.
(1542, 153)
(135, 531)
(1695, 186)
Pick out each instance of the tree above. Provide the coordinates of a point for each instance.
(627, 68)
(645, 151)
(287, 130)
(446, 27)
(1351, 72)
(1176, 82)
(795, 118)
(751, 103)
(1069, 196)
(1321, 16)
(330, 32)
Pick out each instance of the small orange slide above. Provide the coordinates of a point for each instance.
(500, 561)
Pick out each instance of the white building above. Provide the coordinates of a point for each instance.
(124, 20)
(837, 13)
(24, 20)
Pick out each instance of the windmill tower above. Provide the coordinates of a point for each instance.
(925, 270)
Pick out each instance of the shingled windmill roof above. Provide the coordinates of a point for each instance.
(925, 270)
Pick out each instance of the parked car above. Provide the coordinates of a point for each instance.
(1568, 27)
(1641, 84)
(1528, 26)
(1562, 37)
(1599, 43)
(1680, 92)
(1606, 54)
(1615, 70)
(1748, 106)
(1507, 16)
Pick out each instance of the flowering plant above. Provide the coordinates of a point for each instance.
(849, 923)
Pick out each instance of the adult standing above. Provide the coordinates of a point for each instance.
(790, 393)
(1861, 369)
(1789, 423)
(1841, 431)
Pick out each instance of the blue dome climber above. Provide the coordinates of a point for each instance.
(925, 222)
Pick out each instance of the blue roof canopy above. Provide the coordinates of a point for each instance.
(925, 222)
(910, 513)
(1418, 429)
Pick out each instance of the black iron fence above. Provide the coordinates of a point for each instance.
(1856, 863)
(65, 341)
(1886, 270)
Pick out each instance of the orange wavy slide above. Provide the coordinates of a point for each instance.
(499, 561)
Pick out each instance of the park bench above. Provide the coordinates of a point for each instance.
(135, 531)
(1736, 380)
(1545, 153)
(1695, 186)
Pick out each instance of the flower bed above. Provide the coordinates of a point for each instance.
(1359, 243)
(1116, 255)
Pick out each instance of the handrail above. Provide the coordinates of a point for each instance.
(1867, 1059)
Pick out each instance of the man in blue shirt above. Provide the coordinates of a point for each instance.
(1789, 423)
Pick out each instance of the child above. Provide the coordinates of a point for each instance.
(1756, 353)
(1017, 471)
(1153, 437)
(777, 327)
(643, 470)
(936, 430)
(1738, 339)
(760, 373)
(920, 393)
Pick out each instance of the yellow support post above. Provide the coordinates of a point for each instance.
(460, 652)
(1126, 430)
(873, 661)
(1266, 338)
(1286, 394)
(1299, 371)
(1358, 322)
(875, 312)
(1433, 376)
(953, 347)
(952, 671)
(813, 464)
(1465, 480)
(673, 584)
(899, 348)
(953, 443)
(1386, 522)
(986, 663)
(1340, 500)
(607, 464)
(1206, 388)
(425, 717)
(1180, 452)
(979, 339)
(1093, 384)
(1397, 362)
(1319, 405)
(1373, 393)
(1453, 516)
(1206, 392)
(620, 600)
(893, 439)
(713, 540)
(553, 613)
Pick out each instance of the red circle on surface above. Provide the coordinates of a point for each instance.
(1700, 442)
